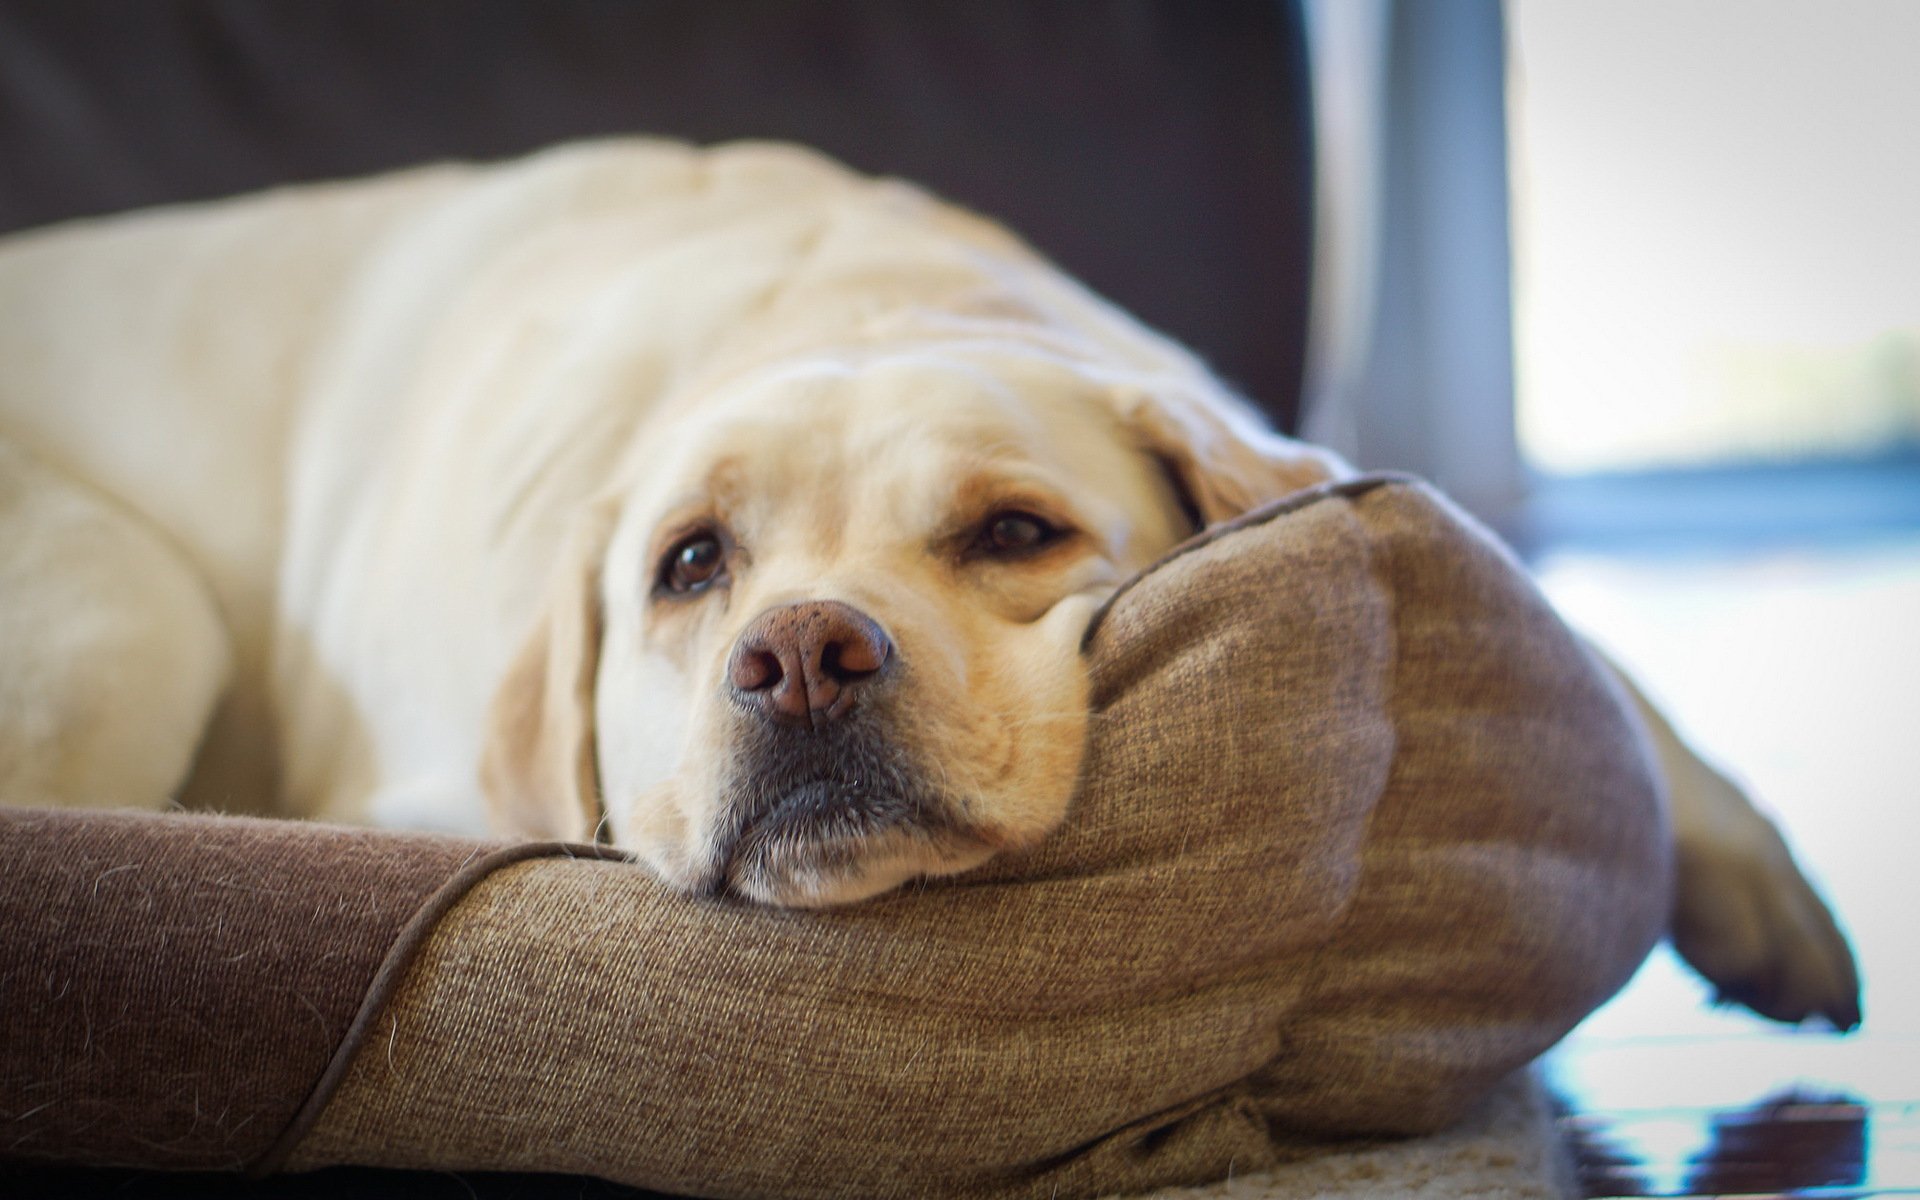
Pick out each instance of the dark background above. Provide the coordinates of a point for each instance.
(1158, 150)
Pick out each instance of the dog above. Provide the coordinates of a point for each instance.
(724, 504)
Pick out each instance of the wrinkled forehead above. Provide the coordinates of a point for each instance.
(905, 438)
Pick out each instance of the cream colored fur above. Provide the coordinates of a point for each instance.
(355, 492)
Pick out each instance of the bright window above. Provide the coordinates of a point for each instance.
(1717, 230)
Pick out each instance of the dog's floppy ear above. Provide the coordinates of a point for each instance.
(1221, 458)
(539, 765)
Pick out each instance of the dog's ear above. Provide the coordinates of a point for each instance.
(539, 765)
(1220, 457)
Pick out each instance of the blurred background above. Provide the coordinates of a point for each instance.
(1637, 281)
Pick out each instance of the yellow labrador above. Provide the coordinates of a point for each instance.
(725, 504)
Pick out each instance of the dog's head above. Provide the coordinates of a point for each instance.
(828, 639)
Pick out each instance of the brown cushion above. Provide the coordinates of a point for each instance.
(1362, 829)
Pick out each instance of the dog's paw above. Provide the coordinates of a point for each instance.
(1748, 920)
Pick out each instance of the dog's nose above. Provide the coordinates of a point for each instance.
(803, 662)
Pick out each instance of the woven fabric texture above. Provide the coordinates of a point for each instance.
(172, 987)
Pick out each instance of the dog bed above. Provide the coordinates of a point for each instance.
(1362, 830)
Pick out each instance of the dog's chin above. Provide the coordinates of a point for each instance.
(824, 870)
(808, 818)
(821, 844)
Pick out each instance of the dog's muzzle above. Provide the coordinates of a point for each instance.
(818, 777)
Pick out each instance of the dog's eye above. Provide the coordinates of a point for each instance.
(1013, 534)
(693, 563)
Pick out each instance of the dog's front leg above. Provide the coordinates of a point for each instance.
(1743, 915)
(112, 651)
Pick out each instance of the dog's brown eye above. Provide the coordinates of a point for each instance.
(1012, 534)
(694, 562)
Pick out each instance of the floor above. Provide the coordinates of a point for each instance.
(1799, 671)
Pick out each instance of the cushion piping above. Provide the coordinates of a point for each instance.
(1290, 503)
(393, 971)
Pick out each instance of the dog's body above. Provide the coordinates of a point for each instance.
(593, 474)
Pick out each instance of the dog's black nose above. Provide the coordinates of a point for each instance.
(802, 663)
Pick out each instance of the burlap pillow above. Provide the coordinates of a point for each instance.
(1362, 829)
